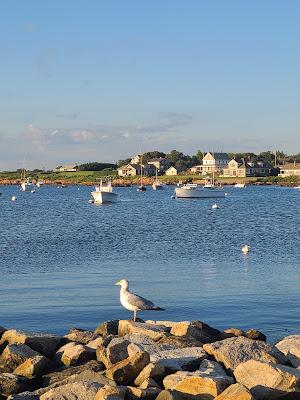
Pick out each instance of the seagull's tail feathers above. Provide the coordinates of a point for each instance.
(158, 308)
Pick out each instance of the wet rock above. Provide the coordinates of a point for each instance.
(235, 392)
(75, 391)
(11, 384)
(74, 354)
(108, 392)
(136, 328)
(108, 328)
(16, 354)
(80, 336)
(134, 393)
(197, 329)
(233, 351)
(208, 382)
(62, 375)
(290, 347)
(256, 335)
(155, 371)
(125, 372)
(268, 381)
(188, 358)
(45, 344)
(37, 365)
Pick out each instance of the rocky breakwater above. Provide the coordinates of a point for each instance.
(160, 360)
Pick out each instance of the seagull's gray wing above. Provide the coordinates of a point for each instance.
(140, 302)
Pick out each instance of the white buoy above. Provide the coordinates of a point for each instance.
(32, 191)
(215, 206)
(91, 201)
(14, 198)
(172, 197)
(245, 249)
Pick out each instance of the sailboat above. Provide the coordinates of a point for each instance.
(26, 185)
(157, 185)
(141, 188)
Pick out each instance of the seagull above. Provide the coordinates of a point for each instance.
(133, 302)
(245, 249)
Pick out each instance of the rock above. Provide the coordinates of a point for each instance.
(235, 392)
(45, 344)
(290, 347)
(74, 354)
(233, 351)
(58, 376)
(153, 370)
(108, 328)
(136, 328)
(23, 396)
(197, 329)
(178, 342)
(256, 335)
(16, 354)
(80, 336)
(117, 350)
(149, 382)
(206, 383)
(169, 395)
(133, 393)
(125, 372)
(108, 392)
(73, 391)
(234, 332)
(2, 330)
(268, 381)
(37, 365)
(188, 358)
(94, 344)
(11, 384)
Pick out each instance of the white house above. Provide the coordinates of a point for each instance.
(129, 170)
(196, 169)
(214, 162)
(171, 171)
(66, 168)
(290, 169)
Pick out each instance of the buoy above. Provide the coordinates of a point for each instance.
(245, 249)
(14, 198)
(32, 191)
(172, 197)
(215, 206)
(91, 201)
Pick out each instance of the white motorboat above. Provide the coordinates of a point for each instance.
(240, 185)
(192, 190)
(103, 193)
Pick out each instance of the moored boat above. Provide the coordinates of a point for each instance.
(103, 193)
(192, 190)
(240, 185)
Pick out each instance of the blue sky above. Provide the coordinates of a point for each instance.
(101, 80)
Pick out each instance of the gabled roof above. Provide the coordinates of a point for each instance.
(290, 166)
(218, 156)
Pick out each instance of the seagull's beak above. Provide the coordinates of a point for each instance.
(118, 283)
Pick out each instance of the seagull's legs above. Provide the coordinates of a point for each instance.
(134, 316)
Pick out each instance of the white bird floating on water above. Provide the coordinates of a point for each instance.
(14, 198)
(215, 206)
(245, 249)
(133, 302)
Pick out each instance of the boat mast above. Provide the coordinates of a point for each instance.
(141, 169)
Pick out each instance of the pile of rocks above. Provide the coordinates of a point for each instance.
(160, 360)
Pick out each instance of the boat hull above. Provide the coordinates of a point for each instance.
(199, 193)
(104, 197)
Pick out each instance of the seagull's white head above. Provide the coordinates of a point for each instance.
(123, 283)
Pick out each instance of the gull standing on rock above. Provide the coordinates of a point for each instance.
(133, 302)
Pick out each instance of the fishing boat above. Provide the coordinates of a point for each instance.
(157, 184)
(193, 190)
(103, 193)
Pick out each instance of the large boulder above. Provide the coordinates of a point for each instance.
(108, 328)
(73, 391)
(256, 335)
(206, 383)
(16, 354)
(117, 350)
(169, 395)
(43, 343)
(35, 366)
(108, 392)
(125, 372)
(80, 336)
(11, 384)
(188, 358)
(268, 381)
(197, 329)
(134, 393)
(233, 351)
(154, 332)
(74, 354)
(177, 342)
(290, 346)
(155, 371)
(235, 392)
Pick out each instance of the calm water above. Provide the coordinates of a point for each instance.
(60, 257)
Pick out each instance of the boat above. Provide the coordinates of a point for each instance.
(240, 185)
(157, 184)
(141, 187)
(39, 183)
(296, 187)
(26, 185)
(103, 193)
(193, 190)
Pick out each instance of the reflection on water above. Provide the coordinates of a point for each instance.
(60, 257)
